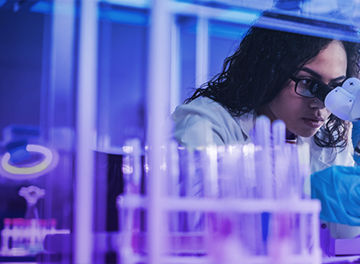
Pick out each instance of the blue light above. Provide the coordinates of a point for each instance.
(227, 31)
(241, 16)
(2, 2)
(131, 18)
(41, 7)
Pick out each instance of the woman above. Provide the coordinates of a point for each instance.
(271, 74)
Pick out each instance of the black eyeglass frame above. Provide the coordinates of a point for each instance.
(318, 89)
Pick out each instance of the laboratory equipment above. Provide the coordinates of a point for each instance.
(25, 237)
(343, 101)
(217, 213)
(31, 194)
(44, 57)
(26, 157)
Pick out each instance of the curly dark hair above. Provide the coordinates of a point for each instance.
(260, 68)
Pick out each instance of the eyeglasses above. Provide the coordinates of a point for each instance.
(310, 88)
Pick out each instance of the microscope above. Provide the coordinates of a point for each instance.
(343, 101)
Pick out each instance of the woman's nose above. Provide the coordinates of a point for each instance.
(316, 103)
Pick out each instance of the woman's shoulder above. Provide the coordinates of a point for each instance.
(201, 104)
(203, 108)
(204, 121)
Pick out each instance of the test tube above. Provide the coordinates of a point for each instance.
(281, 159)
(303, 157)
(132, 166)
(264, 156)
(264, 178)
(130, 218)
(302, 188)
(5, 236)
(173, 170)
(228, 168)
(193, 189)
(211, 188)
(173, 179)
(278, 132)
(247, 170)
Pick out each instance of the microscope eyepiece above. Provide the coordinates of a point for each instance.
(320, 90)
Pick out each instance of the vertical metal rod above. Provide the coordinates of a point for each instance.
(85, 120)
(202, 47)
(157, 132)
(175, 96)
(58, 93)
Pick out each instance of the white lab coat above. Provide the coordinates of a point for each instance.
(205, 122)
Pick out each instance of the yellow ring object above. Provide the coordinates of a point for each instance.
(28, 170)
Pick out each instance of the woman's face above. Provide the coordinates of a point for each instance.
(304, 116)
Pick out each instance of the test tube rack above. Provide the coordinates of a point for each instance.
(224, 220)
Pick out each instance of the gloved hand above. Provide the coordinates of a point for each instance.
(355, 140)
(338, 189)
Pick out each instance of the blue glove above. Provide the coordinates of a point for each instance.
(338, 189)
(355, 139)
